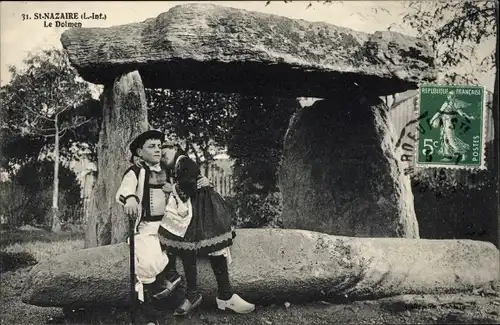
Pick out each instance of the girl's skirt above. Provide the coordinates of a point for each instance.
(210, 229)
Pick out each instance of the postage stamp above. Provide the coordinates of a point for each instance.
(451, 128)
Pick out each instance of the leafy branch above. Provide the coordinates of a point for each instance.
(455, 29)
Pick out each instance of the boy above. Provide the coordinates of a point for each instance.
(143, 199)
(143, 193)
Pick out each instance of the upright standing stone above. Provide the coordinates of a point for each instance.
(339, 175)
(124, 117)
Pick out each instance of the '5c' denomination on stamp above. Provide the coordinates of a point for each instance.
(451, 129)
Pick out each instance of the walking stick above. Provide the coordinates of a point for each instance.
(133, 300)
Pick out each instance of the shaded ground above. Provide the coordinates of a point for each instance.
(474, 308)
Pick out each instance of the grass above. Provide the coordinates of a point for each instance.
(43, 250)
(9, 237)
(20, 248)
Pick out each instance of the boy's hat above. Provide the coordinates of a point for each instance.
(139, 141)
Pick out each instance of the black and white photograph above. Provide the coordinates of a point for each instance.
(249, 162)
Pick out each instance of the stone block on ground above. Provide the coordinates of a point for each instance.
(279, 265)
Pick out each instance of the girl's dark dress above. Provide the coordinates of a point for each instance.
(210, 229)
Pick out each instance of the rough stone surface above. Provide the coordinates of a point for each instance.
(278, 265)
(124, 117)
(339, 174)
(234, 50)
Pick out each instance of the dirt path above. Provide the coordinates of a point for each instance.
(474, 308)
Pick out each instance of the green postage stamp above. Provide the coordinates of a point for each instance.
(451, 127)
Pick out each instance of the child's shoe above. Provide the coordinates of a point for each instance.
(236, 304)
(167, 287)
(188, 305)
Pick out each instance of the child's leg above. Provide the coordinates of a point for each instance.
(168, 279)
(193, 298)
(189, 262)
(170, 271)
(219, 266)
(226, 299)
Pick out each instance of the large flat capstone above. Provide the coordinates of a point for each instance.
(215, 48)
(277, 265)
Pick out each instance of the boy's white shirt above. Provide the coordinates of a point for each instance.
(149, 257)
(132, 185)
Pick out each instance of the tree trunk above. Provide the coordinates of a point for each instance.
(56, 223)
(207, 161)
(124, 118)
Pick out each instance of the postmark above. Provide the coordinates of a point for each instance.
(405, 151)
(451, 128)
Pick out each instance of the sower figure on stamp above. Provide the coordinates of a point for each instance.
(446, 118)
(197, 222)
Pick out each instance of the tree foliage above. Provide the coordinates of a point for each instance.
(44, 96)
(37, 176)
(26, 198)
(256, 145)
(256, 141)
(254, 210)
(455, 29)
(199, 119)
(41, 105)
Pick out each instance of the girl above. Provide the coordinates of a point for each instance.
(208, 232)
